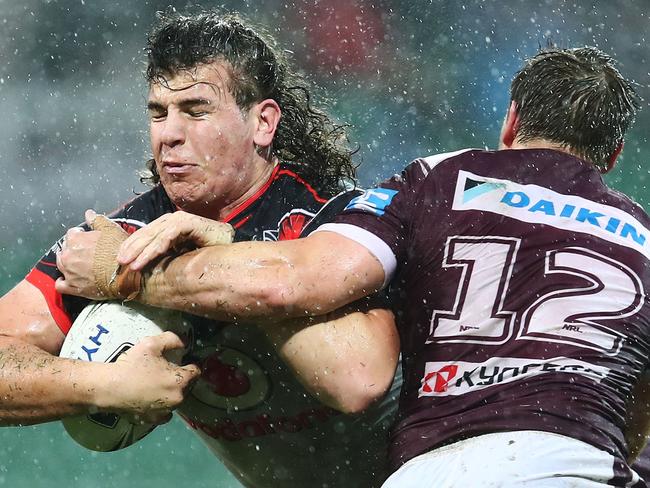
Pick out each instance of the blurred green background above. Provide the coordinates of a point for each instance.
(411, 77)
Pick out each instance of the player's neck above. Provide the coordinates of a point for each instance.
(259, 179)
(539, 144)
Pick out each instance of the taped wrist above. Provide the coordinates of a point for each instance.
(111, 279)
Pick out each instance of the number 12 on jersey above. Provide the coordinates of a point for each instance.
(577, 315)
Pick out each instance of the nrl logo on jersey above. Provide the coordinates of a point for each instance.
(536, 204)
(452, 379)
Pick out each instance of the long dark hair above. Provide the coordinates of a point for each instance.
(306, 136)
(577, 98)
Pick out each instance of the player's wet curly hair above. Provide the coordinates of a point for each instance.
(306, 136)
(576, 98)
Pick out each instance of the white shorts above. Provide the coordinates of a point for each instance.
(530, 459)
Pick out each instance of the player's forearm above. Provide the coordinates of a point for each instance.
(38, 387)
(346, 359)
(252, 280)
(213, 282)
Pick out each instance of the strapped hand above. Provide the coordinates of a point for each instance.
(88, 263)
(112, 280)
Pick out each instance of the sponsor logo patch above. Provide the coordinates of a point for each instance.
(536, 204)
(292, 224)
(458, 378)
(230, 380)
(263, 424)
(373, 201)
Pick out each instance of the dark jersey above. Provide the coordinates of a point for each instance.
(248, 407)
(283, 205)
(521, 295)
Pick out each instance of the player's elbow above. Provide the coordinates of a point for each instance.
(357, 391)
(374, 388)
(364, 384)
(360, 401)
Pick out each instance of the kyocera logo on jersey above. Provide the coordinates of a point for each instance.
(373, 201)
(536, 204)
(438, 381)
(445, 379)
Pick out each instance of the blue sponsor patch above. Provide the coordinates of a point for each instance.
(373, 201)
(537, 204)
(582, 215)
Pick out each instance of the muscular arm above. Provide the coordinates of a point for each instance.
(38, 386)
(260, 281)
(346, 359)
(265, 281)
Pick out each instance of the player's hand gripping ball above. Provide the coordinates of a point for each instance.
(102, 332)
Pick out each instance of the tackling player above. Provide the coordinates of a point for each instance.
(235, 139)
(520, 282)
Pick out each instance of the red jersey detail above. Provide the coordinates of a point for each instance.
(442, 377)
(242, 222)
(130, 229)
(292, 226)
(240, 208)
(54, 299)
(310, 188)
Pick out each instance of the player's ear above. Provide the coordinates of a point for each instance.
(510, 127)
(267, 117)
(611, 161)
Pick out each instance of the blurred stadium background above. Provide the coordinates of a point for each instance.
(411, 77)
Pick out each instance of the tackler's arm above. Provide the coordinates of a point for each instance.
(261, 281)
(38, 386)
(346, 359)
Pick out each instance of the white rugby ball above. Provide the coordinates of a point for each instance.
(102, 332)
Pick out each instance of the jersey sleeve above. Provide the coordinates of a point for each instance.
(327, 214)
(43, 276)
(330, 210)
(379, 218)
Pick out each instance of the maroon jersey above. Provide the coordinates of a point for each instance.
(278, 210)
(521, 295)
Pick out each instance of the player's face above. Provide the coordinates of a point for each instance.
(202, 142)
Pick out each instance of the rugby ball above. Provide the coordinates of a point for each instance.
(102, 332)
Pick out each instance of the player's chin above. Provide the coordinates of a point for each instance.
(184, 194)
